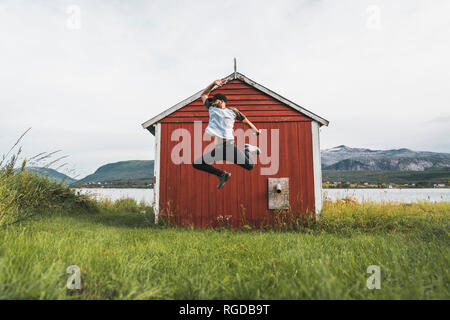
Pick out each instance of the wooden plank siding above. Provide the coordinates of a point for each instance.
(192, 195)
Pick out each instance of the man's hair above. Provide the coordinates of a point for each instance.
(219, 96)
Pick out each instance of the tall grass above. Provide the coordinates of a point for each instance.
(24, 193)
(129, 206)
(424, 218)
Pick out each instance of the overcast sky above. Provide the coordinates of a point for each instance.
(85, 74)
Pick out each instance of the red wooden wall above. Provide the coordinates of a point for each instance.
(191, 196)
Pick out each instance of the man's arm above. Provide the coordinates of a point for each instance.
(241, 117)
(251, 125)
(208, 89)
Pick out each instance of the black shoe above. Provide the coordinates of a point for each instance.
(223, 178)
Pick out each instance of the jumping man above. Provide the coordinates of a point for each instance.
(220, 126)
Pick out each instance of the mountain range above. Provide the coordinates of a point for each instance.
(340, 158)
(52, 174)
(359, 159)
(123, 170)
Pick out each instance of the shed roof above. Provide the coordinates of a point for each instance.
(235, 75)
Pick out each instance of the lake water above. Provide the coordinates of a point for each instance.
(115, 194)
(380, 195)
(377, 195)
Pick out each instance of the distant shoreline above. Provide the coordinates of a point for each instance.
(140, 187)
(109, 187)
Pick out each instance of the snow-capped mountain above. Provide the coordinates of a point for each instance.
(346, 158)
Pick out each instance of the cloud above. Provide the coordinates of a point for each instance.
(442, 119)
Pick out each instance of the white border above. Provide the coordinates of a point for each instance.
(317, 167)
(156, 170)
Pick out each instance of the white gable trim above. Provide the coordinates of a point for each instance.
(283, 100)
(148, 124)
(164, 114)
(156, 171)
(317, 168)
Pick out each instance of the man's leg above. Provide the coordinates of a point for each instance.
(203, 163)
(234, 155)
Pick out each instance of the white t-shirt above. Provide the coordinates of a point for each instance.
(221, 122)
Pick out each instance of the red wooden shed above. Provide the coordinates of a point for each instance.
(290, 133)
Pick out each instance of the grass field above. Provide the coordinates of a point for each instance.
(122, 255)
(46, 227)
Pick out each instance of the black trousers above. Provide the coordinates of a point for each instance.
(226, 151)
